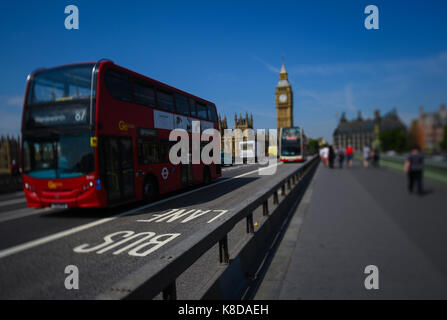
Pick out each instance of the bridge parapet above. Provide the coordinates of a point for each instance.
(160, 275)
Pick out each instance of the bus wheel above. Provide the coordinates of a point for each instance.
(206, 176)
(150, 190)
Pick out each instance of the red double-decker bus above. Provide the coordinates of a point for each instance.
(97, 134)
(293, 143)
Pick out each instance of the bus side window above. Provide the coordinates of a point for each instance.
(144, 93)
(118, 85)
(212, 113)
(202, 111)
(165, 100)
(165, 146)
(148, 152)
(192, 104)
(182, 105)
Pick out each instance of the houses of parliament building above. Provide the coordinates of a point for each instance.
(362, 132)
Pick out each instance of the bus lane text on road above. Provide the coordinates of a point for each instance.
(185, 214)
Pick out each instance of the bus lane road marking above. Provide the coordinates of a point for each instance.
(189, 214)
(144, 243)
(59, 235)
(136, 244)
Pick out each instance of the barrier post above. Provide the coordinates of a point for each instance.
(224, 256)
(265, 208)
(275, 197)
(250, 226)
(170, 292)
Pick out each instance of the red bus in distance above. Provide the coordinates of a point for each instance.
(97, 134)
(292, 146)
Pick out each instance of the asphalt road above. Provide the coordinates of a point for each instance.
(37, 245)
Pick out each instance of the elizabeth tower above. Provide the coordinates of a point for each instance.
(284, 101)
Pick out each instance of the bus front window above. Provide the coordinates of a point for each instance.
(61, 84)
(58, 156)
(290, 149)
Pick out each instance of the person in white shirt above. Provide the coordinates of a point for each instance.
(366, 156)
(324, 153)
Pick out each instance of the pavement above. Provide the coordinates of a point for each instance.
(8, 185)
(353, 218)
(37, 245)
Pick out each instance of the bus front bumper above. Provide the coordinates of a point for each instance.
(64, 199)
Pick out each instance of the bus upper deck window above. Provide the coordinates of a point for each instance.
(202, 111)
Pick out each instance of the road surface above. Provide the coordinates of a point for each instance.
(106, 245)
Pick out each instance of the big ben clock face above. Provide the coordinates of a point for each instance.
(283, 98)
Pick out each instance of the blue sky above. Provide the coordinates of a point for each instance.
(230, 52)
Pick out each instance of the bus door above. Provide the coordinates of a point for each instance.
(118, 168)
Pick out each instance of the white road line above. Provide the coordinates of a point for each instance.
(12, 195)
(34, 243)
(24, 212)
(236, 166)
(9, 202)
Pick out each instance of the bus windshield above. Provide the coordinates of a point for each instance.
(290, 133)
(291, 142)
(58, 156)
(61, 84)
(291, 149)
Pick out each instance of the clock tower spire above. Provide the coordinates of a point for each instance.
(284, 100)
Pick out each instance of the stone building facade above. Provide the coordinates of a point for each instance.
(431, 128)
(363, 132)
(9, 151)
(241, 123)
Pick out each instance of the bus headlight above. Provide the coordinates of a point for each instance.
(88, 186)
(29, 187)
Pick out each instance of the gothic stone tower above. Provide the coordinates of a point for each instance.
(222, 126)
(284, 101)
(242, 124)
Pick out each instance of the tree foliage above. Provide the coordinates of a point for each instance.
(395, 139)
(313, 146)
(443, 143)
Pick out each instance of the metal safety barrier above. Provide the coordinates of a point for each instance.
(159, 276)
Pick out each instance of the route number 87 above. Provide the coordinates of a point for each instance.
(80, 115)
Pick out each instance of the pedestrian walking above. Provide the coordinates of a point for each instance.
(366, 156)
(324, 153)
(340, 157)
(14, 173)
(414, 167)
(331, 157)
(349, 155)
(375, 157)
